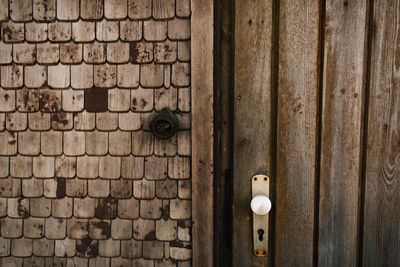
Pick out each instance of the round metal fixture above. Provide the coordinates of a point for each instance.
(165, 124)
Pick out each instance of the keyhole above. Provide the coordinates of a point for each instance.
(260, 233)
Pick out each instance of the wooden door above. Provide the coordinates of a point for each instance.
(316, 107)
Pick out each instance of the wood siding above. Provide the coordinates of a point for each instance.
(316, 107)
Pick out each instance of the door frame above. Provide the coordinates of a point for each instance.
(202, 100)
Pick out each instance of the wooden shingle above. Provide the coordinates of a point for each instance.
(155, 168)
(12, 32)
(21, 10)
(12, 76)
(51, 143)
(84, 121)
(166, 230)
(82, 31)
(107, 121)
(129, 121)
(163, 9)
(71, 53)
(40, 207)
(18, 207)
(118, 52)
(128, 75)
(44, 10)
(131, 248)
(144, 229)
(154, 30)
(144, 189)
(107, 30)
(121, 229)
(119, 100)
(139, 9)
(39, 121)
(81, 76)
(77, 228)
(128, 208)
(119, 143)
(67, 9)
(109, 248)
(130, 30)
(74, 143)
(84, 207)
(27, 100)
(59, 31)
(183, 8)
(166, 189)
(47, 53)
(96, 143)
(179, 29)
(11, 228)
(21, 247)
(142, 100)
(34, 227)
(72, 100)
(94, 52)
(141, 52)
(16, 121)
(98, 188)
(153, 249)
(184, 143)
(151, 209)
(7, 100)
(5, 245)
(21, 166)
(76, 187)
(32, 187)
(43, 167)
(5, 53)
(24, 53)
(165, 52)
(87, 167)
(4, 10)
(109, 167)
(115, 9)
(121, 188)
(4, 167)
(62, 208)
(65, 247)
(8, 143)
(180, 209)
(58, 76)
(35, 32)
(91, 9)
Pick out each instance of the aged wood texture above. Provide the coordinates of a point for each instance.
(202, 131)
(297, 122)
(381, 235)
(343, 82)
(252, 107)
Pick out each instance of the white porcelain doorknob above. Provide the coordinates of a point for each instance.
(260, 204)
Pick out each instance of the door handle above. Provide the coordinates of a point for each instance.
(260, 205)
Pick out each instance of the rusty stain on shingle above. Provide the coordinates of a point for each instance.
(61, 185)
(87, 248)
(106, 208)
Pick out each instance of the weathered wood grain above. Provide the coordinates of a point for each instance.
(381, 235)
(252, 118)
(202, 131)
(297, 123)
(342, 108)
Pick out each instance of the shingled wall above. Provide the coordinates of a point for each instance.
(83, 180)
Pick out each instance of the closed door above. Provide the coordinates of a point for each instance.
(315, 108)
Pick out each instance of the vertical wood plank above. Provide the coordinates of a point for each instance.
(297, 121)
(381, 235)
(202, 131)
(343, 82)
(252, 109)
